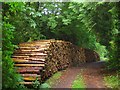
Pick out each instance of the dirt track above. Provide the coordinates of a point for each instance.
(91, 73)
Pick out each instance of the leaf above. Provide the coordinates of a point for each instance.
(66, 21)
(38, 14)
(31, 13)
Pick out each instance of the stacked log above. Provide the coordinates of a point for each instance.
(41, 59)
(91, 55)
(29, 59)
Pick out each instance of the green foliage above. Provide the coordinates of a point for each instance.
(112, 81)
(103, 52)
(10, 77)
(114, 43)
(78, 82)
(23, 16)
(45, 85)
(66, 21)
(15, 7)
(36, 84)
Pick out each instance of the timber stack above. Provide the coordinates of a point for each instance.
(41, 59)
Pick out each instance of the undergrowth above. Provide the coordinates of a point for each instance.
(112, 81)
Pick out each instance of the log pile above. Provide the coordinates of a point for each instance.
(41, 59)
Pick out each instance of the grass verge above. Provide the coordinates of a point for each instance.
(78, 82)
(112, 81)
(52, 80)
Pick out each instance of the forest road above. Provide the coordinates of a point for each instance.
(91, 73)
